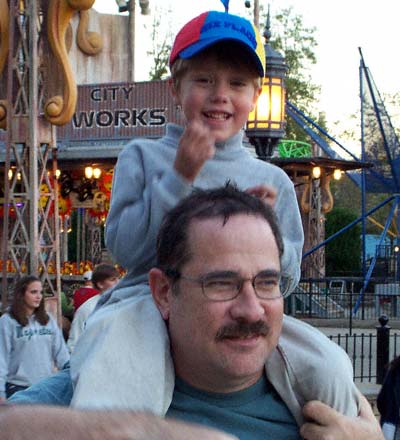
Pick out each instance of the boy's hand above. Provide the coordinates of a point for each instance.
(325, 423)
(265, 193)
(196, 146)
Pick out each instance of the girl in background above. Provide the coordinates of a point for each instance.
(31, 343)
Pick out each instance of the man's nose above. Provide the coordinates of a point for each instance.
(247, 305)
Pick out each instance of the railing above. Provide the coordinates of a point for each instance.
(370, 352)
(336, 298)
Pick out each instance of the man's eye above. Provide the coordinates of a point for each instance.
(220, 284)
(266, 283)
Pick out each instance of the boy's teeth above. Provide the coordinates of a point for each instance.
(217, 115)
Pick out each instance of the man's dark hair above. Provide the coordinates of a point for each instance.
(224, 202)
(103, 271)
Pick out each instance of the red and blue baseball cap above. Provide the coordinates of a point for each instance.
(212, 27)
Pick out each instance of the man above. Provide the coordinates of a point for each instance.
(218, 288)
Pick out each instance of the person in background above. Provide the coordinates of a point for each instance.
(388, 402)
(85, 292)
(31, 343)
(104, 277)
(67, 312)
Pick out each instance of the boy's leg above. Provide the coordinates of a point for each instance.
(122, 359)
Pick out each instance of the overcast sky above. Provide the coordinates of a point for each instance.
(342, 26)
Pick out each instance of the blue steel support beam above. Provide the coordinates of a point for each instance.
(350, 225)
(304, 122)
(373, 262)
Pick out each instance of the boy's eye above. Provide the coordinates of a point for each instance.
(203, 80)
(238, 83)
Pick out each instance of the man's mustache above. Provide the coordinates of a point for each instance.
(242, 330)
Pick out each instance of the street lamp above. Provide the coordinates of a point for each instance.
(266, 123)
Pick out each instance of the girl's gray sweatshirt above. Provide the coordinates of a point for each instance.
(28, 354)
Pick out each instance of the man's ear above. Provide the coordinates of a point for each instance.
(160, 286)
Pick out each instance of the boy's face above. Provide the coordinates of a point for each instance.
(217, 95)
(108, 283)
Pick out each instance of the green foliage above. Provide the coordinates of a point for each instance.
(162, 40)
(343, 254)
(297, 44)
(348, 196)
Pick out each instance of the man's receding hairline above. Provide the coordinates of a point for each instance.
(225, 219)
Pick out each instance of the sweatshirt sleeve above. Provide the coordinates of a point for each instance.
(77, 327)
(60, 351)
(5, 350)
(288, 213)
(140, 198)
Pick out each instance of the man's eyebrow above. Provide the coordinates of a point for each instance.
(221, 274)
(270, 273)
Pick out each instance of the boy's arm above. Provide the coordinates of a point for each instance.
(288, 213)
(138, 205)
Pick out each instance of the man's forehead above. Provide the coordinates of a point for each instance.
(239, 234)
(239, 221)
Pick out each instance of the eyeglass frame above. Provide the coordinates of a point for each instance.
(176, 275)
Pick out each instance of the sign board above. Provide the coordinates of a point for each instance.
(118, 111)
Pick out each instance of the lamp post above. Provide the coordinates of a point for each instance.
(266, 123)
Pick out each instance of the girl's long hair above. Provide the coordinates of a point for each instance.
(18, 311)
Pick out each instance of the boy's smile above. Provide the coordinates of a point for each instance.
(218, 96)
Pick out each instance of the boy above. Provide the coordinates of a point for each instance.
(217, 63)
(104, 277)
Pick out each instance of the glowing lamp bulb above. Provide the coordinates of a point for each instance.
(316, 172)
(88, 172)
(337, 174)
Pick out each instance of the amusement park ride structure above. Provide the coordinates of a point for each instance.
(40, 93)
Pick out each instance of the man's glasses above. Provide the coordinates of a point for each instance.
(227, 286)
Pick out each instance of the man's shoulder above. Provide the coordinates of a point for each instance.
(301, 342)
